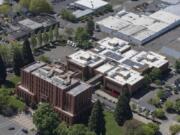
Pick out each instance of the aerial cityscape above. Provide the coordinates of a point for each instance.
(89, 67)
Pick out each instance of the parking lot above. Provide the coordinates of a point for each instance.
(59, 53)
(8, 126)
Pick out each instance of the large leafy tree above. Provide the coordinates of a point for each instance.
(123, 111)
(3, 73)
(33, 41)
(177, 106)
(79, 129)
(62, 129)
(39, 6)
(155, 74)
(90, 26)
(50, 33)
(39, 38)
(96, 120)
(45, 37)
(177, 66)
(56, 32)
(27, 53)
(17, 61)
(25, 3)
(45, 119)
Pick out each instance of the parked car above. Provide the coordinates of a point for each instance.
(24, 130)
(11, 128)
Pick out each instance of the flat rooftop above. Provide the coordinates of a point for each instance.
(58, 76)
(152, 59)
(120, 73)
(86, 58)
(82, 87)
(114, 44)
(91, 4)
(30, 24)
(140, 28)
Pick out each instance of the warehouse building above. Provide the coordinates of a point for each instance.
(27, 26)
(69, 96)
(139, 29)
(86, 7)
(90, 4)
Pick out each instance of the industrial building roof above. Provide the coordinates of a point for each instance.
(171, 1)
(174, 9)
(166, 17)
(30, 24)
(81, 13)
(86, 58)
(92, 4)
(141, 28)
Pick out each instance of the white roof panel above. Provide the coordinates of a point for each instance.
(165, 17)
(92, 4)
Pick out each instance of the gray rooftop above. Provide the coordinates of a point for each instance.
(79, 89)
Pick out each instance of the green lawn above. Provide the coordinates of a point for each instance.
(111, 126)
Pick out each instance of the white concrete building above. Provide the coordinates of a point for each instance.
(90, 4)
(139, 29)
(114, 44)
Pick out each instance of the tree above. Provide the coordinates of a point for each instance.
(39, 6)
(160, 93)
(79, 129)
(6, 54)
(27, 53)
(45, 38)
(131, 126)
(56, 32)
(69, 32)
(25, 3)
(50, 34)
(155, 101)
(5, 9)
(33, 42)
(159, 113)
(67, 15)
(177, 106)
(153, 126)
(45, 119)
(175, 129)
(44, 59)
(39, 38)
(82, 37)
(155, 74)
(122, 111)
(3, 73)
(177, 66)
(96, 120)
(169, 106)
(90, 26)
(147, 81)
(145, 130)
(17, 61)
(62, 129)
